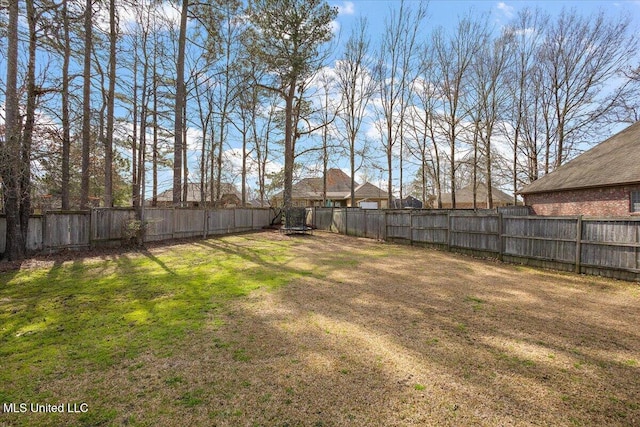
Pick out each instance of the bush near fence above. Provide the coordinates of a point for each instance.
(58, 230)
(601, 246)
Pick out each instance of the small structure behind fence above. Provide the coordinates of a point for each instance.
(602, 246)
(57, 230)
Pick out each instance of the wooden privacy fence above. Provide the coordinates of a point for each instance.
(109, 226)
(601, 246)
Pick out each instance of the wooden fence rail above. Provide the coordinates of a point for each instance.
(602, 246)
(108, 226)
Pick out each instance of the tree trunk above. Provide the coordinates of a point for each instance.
(185, 164)
(154, 154)
(289, 148)
(179, 107)
(66, 127)
(135, 186)
(9, 164)
(27, 138)
(108, 146)
(452, 173)
(86, 105)
(244, 167)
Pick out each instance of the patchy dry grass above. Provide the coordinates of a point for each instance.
(363, 333)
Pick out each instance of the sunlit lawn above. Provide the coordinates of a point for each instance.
(269, 330)
(91, 314)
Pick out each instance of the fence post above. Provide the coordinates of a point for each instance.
(45, 235)
(173, 225)
(93, 222)
(364, 217)
(449, 231)
(346, 221)
(500, 232)
(578, 244)
(386, 225)
(204, 223)
(411, 227)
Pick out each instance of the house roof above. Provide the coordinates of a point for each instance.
(193, 192)
(338, 187)
(615, 161)
(465, 195)
(368, 191)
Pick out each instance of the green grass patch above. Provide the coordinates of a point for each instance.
(87, 315)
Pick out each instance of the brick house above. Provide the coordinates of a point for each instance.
(603, 181)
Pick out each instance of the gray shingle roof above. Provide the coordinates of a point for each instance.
(615, 161)
(338, 187)
(193, 192)
(465, 195)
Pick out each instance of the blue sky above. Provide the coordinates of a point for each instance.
(446, 12)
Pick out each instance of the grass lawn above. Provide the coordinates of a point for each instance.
(264, 329)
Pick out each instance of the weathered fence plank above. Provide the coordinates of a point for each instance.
(66, 230)
(159, 224)
(375, 224)
(56, 230)
(108, 224)
(596, 246)
(355, 224)
(398, 225)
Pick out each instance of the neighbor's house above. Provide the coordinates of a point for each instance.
(308, 192)
(230, 197)
(604, 181)
(464, 198)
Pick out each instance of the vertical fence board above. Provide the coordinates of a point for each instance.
(260, 218)
(398, 225)
(159, 224)
(355, 222)
(66, 230)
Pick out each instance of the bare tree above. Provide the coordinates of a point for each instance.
(393, 73)
(66, 126)
(108, 142)
(423, 143)
(527, 32)
(579, 57)
(179, 107)
(490, 89)
(356, 86)
(86, 104)
(453, 58)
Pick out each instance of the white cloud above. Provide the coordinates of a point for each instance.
(335, 27)
(234, 157)
(163, 15)
(347, 8)
(509, 11)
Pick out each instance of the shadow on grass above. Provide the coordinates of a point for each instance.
(156, 260)
(431, 340)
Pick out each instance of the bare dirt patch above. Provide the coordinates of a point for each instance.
(384, 335)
